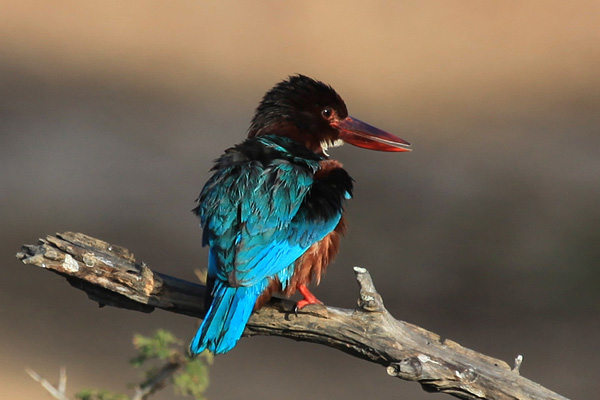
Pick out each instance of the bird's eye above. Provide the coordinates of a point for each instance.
(327, 113)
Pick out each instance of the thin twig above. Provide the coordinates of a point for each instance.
(157, 381)
(56, 392)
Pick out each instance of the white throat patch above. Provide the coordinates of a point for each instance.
(327, 144)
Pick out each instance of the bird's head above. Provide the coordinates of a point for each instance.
(312, 113)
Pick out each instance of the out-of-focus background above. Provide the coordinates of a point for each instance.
(487, 233)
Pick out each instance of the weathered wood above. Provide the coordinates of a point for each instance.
(110, 275)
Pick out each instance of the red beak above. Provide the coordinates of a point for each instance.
(363, 135)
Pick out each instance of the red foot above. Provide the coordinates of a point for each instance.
(309, 298)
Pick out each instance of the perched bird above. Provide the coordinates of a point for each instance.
(272, 212)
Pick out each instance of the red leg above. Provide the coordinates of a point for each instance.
(309, 298)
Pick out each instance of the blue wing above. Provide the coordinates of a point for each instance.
(253, 222)
(256, 226)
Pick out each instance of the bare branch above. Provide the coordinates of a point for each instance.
(110, 275)
(56, 392)
(62, 380)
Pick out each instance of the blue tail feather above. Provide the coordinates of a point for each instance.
(226, 318)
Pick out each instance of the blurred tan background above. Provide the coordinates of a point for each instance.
(488, 233)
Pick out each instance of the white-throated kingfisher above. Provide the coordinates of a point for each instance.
(272, 212)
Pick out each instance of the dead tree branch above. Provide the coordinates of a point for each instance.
(110, 275)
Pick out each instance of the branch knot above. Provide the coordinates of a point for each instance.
(408, 368)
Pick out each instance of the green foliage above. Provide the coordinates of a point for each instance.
(165, 362)
(99, 394)
(161, 346)
(193, 380)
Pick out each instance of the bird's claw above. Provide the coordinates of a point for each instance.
(309, 298)
(303, 303)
